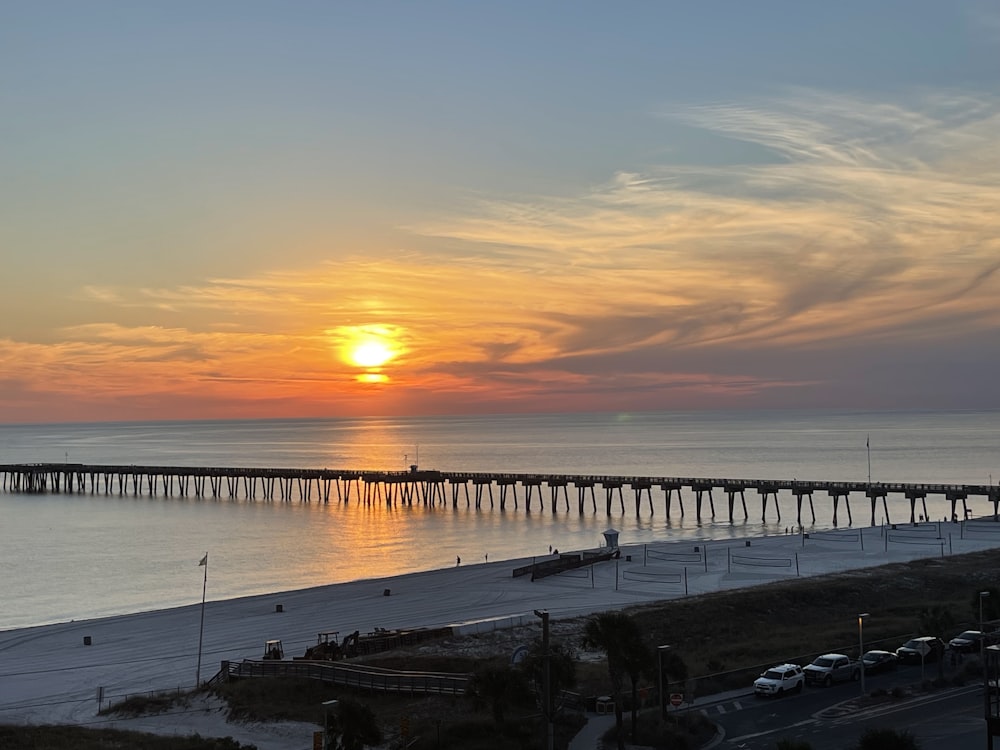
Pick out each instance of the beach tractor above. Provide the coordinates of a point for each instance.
(273, 650)
(350, 645)
(327, 647)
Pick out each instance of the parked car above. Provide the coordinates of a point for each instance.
(878, 661)
(830, 668)
(784, 678)
(926, 648)
(967, 642)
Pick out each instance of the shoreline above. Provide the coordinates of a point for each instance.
(52, 675)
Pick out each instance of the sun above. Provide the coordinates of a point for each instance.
(371, 353)
(368, 347)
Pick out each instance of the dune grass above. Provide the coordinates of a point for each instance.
(725, 639)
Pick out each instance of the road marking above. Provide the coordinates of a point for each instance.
(772, 731)
(903, 705)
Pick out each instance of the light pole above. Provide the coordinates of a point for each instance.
(861, 647)
(982, 633)
(660, 651)
(546, 682)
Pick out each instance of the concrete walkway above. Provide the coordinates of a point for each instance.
(589, 737)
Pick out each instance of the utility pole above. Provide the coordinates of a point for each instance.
(861, 649)
(660, 651)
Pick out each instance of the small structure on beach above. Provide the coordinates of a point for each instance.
(611, 538)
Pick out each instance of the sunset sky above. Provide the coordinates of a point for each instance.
(289, 209)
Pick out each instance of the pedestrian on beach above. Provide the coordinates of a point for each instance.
(458, 561)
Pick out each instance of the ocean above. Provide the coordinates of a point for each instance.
(80, 556)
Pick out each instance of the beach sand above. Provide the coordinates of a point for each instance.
(49, 675)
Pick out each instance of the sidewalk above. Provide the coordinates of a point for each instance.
(588, 738)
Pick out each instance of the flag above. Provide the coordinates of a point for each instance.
(204, 560)
(868, 441)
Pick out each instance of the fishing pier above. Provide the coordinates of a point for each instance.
(426, 487)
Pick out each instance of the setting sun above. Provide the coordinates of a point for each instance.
(371, 353)
(369, 347)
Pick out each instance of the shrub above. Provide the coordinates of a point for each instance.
(887, 739)
(793, 745)
(145, 705)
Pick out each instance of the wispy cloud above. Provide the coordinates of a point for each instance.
(872, 222)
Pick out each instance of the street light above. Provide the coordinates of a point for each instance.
(861, 647)
(660, 651)
(547, 684)
(982, 634)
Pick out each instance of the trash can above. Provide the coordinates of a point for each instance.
(279, 608)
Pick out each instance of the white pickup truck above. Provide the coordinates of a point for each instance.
(830, 668)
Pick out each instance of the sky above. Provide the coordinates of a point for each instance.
(322, 209)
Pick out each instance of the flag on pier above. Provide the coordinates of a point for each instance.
(204, 560)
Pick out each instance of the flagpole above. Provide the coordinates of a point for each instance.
(201, 630)
(868, 445)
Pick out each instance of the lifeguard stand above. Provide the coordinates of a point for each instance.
(991, 690)
(611, 538)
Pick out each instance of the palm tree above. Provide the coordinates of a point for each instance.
(615, 633)
(562, 667)
(636, 659)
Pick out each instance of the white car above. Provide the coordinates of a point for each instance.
(784, 678)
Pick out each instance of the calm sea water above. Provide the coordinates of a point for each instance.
(82, 556)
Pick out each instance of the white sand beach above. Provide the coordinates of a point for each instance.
(49, 674)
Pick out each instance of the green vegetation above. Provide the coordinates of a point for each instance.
(619, 637)
(352, 726)
(727, 638)
(60, 738)
(147, 705)
(724, 638)
(887, 739)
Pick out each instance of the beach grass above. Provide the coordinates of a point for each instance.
(81, 738)
(725, 639)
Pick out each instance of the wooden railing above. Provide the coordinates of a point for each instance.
(347, 675)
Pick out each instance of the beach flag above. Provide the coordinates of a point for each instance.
(204, 560)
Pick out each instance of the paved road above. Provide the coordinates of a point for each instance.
(950, 718)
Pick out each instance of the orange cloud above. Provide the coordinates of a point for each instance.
(869, 223)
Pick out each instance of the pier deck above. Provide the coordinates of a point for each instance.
(429, 487)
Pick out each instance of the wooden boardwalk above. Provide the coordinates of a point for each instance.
(427, 487)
